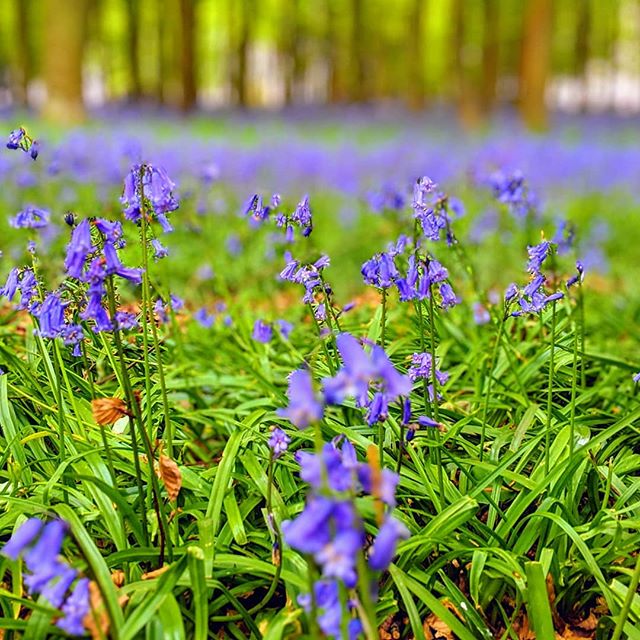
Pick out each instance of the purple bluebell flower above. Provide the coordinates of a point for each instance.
(28, 289)
(421, 367)
(285, 328)
(16, 138)
(111, 230)
(157, 188)
(75, 609)
(278, 442)
(480, 314)
(115, 267)
(425, 421)
(159, 251)
(78, 250)
(55, 590)
(511, 292)
(406, 411)
(578, 277)
(30, 218)
(262, 331)
(385, 544)
(302, 216)
(204, 318)
(304, 406)
(125, 321)
(51, 316)
(35, 149)
(449, 298)
(537, 255)
(11, 285)
(636, 377)
(22, 538)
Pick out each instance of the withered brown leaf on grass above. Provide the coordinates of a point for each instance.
(170, 475)
(108, 410)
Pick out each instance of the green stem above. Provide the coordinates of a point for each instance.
(434, 384)
(574, 384)
(547, 432)
(583, 383)
(492, 364)
(383, 319)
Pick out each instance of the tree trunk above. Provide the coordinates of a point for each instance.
(466, 90)
(415, 49)
(133, 55)
(490, 54)
(24, 54)
(359, 35)
(335, 88)
(581, 47)
(188, 57)
(161, 61)
(240, 17)
(66, 22)
(534, 62)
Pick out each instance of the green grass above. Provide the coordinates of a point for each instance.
(493, 530)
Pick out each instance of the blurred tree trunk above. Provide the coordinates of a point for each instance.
(161, 60)
(466, 89)
(415, 49)
(581, 47)
(66, 22)
(188, 54)
(290, 48)
(359, 36)
(133, 54)
(490, 54)
(24, 70)
(240, 17)
(335, 85)
(534, 62)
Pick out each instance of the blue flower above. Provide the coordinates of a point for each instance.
(11, 285)
(51, 316)
(75, 609)
(262, 331)
(278, 442)
(78, 250)
(304, 406)
(285, 328)
(159, 251)
(30, 218)
(157, 188)
(204, 318)
(16, 138)
(385, 544)
(22, 538)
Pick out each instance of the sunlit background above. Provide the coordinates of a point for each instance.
(69, 58)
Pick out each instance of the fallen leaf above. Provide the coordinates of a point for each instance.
(155, 573)
(170, 475)
(437, 629)
(108, 410)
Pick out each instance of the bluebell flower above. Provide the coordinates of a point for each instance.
(125, 321)
(55, 591)
(35, 149)
(578, 277)
(30, 218)
(511, 292)
(78, 250)
(28, 289)
(285, 328)
(204, 318)
(304, 406)
(158, 190)
(159, 251)
(22, 538)
(449, 298)
(480, 314)
(11, 285)
(421, 367)
(51, 316)
(425, 421)
(115, 267)
(636, 377)
(278, 442)
(16, 138)
(262, 331)
(75, 609)
(386, 542)
(537, 255)
(302, 216)
(111, 230)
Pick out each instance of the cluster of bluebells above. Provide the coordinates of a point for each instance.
(310, 277)
(388, 198)
(158, 190)
(422, 368)
(421, 278)
(331, 530)
(431, 209)
(20, 139)
(513, 191)
(533, 298)
(40, 545)
(163, 309)
(300, 218)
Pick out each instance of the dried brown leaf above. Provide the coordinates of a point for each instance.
(108, 410)
(155, 573)
(169, 473)
(435, 628)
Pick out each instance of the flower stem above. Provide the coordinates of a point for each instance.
(547, 431)
(434, 384)
(628, 601)
(574, 384)
(492, 364)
